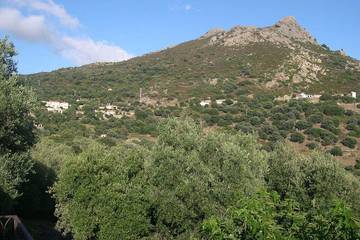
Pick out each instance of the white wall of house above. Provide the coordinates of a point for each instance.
(353, 94)
(55, 106)
(204, 103)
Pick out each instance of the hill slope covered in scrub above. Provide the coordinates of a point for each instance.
(282, 58)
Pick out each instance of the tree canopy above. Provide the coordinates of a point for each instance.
(196, 185)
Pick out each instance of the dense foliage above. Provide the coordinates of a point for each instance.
(16, 130)
(219, 185)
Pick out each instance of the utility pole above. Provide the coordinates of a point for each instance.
(140, 95)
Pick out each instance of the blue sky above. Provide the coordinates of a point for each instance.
(50, 34)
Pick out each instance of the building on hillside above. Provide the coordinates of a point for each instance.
(353, 94)
(307, 96)
(204, 103)
(220, 101)
(56, 106)
(111, 107)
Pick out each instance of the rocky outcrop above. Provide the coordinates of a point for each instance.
(213, 32)
(285, 32)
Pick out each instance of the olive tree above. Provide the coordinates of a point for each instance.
(163, 191)
(16, 129)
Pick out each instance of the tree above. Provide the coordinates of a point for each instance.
(7, 63)
(308, 178)
(297, 137)
(336, 151)
(349, 142)
(16, 129)
(164, 190)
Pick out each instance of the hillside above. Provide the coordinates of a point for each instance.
(279, 59)
(224, 79)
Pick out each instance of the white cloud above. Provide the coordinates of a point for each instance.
(51, 8)
(84, 51)
(78, 50)
(32, 28)
(188, 7)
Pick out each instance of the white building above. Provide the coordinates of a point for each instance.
(111, 107)
(353, 94)
(55, 106)
(307, 96)
(204, 103)
(220, 101)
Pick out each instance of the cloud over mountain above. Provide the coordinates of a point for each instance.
(36, 28)
(50, 7)
(31, 28)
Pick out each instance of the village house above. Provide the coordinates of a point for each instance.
(114, 111)
(56, 106)
(353, 94)
(204, 103)
(311, 97)
(220, 101)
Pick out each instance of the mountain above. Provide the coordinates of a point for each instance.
(280, 59)
(242, 68)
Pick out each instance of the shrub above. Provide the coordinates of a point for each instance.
(349, 142)
(329, 125)
(315, 118)
(312, 145)
(352, 126)
(302, 125)
(285, 125)
(297, 137)
(336, 151)
(333, 110)
(326, 136)
(157, 192)
(245, 127)
(270, 133)
(255, 121)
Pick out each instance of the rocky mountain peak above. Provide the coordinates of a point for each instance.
(286, 32)
(213, 32)
(289, 21)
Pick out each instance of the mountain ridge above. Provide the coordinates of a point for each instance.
(279, 59)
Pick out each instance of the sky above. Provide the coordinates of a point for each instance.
(51, 34)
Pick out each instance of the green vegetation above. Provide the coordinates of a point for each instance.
(195, 185)
(336, 151)
(16, 131)
(164, 167)
(349, 142)
(297, 137)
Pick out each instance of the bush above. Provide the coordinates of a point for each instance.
(329, 125)
(157, 192)
(315, 118)
(297, 137)
(336, 151)
(312, 145)
(349, 142)
(244, 127)
(270, 133)
(326, 136)
(302, 125)
(333, 110)
(352, 126)
(285, 125)
(255, 121)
